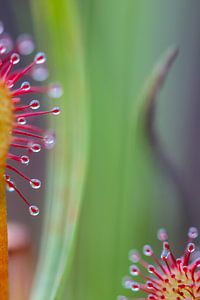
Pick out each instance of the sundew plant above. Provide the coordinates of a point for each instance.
(170, 277)
(99, 149)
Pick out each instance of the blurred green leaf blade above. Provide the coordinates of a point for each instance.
(69, 158)
(124, 192)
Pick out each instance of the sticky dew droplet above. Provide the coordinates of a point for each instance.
(55, 90)
(2, 49)
(34, 210)
(165, 254)
(162, 234)
(9, 186)
(49, 141)
(134, 256)
(25, 44)
(190, 247)
(25, 86)
(7, 41)
(193, 233)
(35, 147)
(15, 58)
(147, 250)
(34, 104)
(127, 282)
(40, 58)
(35, 183)
(7, 177)
(40, 73)
(134, 270)
(21, 121)
(25, 159)
(135, 287)
(55, 111)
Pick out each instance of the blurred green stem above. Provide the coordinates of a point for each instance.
(67, 163)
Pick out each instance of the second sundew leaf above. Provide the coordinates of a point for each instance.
(67, 164)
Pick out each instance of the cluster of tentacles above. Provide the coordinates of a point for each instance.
(166, 277)
(16, 84)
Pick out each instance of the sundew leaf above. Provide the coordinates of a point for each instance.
(124, 196)
(67, 163)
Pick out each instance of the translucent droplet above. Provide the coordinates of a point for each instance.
(55, 90)
(162, 234)
(134, 270)
(165, 254)
(190, 247)
(151, 269)
(193, 233)
(15, 58)
(2, 49)
(7, 177)
(21, 121)
(35, 147)
(149, 284)
(25, 44)
(166, 245)
(25, 86)
(10, 186)
(34, 104)
(55, 111)
(40, 58)
(24, 159)
(49, 141)
(40, 73)
(147, 250)
(135, 286)
(34, 210)
(134, 256)
(7, 41)
(1, 27)
(35, 183)
(127, 282)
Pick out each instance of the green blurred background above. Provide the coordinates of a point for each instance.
(108, 187)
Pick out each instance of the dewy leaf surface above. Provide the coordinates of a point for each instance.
(93, 218)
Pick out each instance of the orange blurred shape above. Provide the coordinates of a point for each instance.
(21, 261)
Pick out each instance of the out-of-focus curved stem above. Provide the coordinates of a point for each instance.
(21, 261)
(168, 166)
